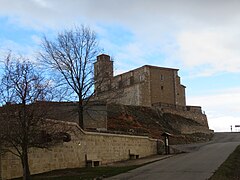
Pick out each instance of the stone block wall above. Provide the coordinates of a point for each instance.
(196, 116)
(42, 160)
(162, 85)
(94, 115)
(130, 95)
(111, 148)
(0, 167)
(106, 147)
(195, 129)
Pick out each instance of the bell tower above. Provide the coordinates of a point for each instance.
(103, 73)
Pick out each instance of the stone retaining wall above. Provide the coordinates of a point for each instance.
(106, 147)
(0, 166)
(196, 116)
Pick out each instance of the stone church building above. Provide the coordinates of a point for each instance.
(144, 86)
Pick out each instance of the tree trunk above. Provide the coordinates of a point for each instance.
(25, 142)
(25, 165)
(80, 113)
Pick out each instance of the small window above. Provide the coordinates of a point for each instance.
(131, 80)
(161, 87)
(162, 77)
(142, 78)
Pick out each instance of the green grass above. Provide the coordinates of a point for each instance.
(230, 169)
(82, 173)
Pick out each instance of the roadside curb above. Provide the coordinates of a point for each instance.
(141, 161)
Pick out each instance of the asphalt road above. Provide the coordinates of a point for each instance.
(199, 164)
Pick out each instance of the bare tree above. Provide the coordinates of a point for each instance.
(22, 120)
(72, 55)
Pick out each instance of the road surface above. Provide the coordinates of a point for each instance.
(199, 164)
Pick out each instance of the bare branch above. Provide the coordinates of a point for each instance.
(22, 119)
(72, 55)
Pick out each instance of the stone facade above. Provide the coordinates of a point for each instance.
(143, 86)
(146, 86)
(193, 114)
(107, 148)
(94, 115)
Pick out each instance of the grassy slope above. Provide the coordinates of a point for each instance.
(230, 169)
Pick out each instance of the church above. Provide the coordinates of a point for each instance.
(144, 86)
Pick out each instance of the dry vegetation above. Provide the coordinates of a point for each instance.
(151, 122)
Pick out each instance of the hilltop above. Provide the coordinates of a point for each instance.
(135, 120)
(153, 122)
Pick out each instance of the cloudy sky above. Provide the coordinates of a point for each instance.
(201, 38)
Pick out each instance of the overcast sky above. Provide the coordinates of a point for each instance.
(201, 38)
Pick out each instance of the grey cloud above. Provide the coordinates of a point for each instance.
(154, 23)
(123, 11)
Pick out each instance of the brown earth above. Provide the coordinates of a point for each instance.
(152, 122)
(137, 120)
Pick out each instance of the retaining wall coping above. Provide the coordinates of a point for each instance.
(98, 133)
(119, 135)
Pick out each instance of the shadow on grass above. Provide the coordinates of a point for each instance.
(82, 173)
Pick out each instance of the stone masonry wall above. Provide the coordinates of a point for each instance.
(162, 86)
(111, 148)
(130, 96)
(194, 129)
(156, 84)
(106, 147)
(196, 116)
(0, 166)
